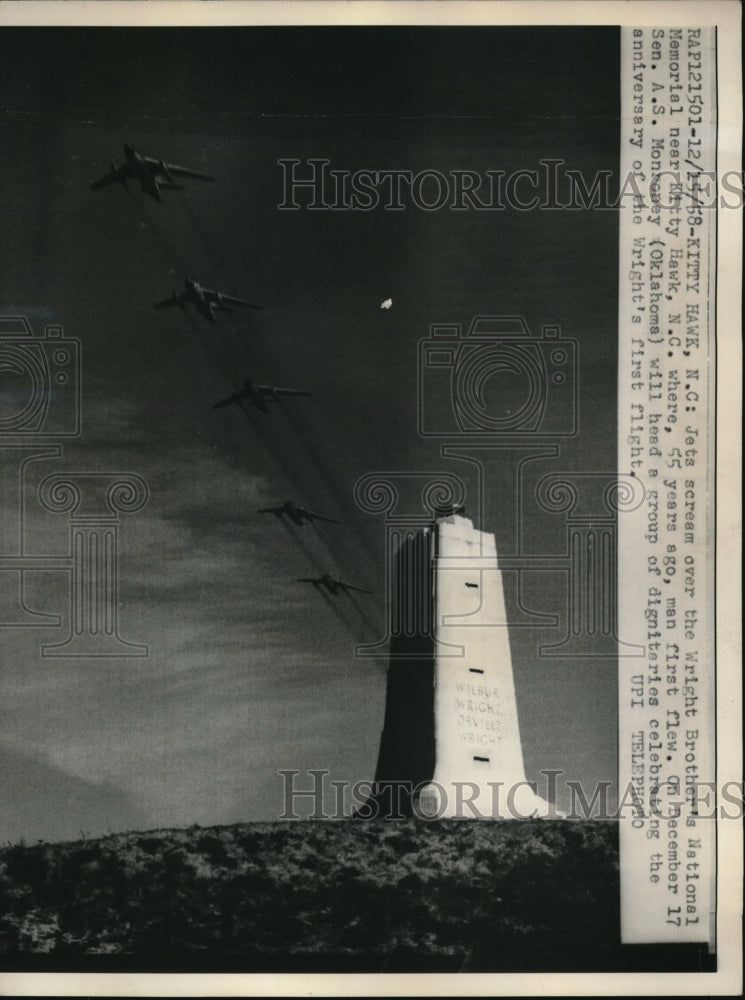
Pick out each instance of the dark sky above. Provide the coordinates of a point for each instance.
(250, 671)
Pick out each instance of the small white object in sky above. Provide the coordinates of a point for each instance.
(387, 304)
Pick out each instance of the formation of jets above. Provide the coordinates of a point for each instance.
(206, 300)
(154, 176)
(299, 515)
(329, 583)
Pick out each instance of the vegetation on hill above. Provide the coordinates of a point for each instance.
(484, 895)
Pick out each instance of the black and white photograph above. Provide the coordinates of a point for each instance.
(369, 511)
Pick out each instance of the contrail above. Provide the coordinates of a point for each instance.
(168, 250)
(296, 537)
(203, 235)
(249, 346)
(245, 345)
(332, 485)
(323, 541)
(360, 611)
(260, 425)
(242, 343)
(348, 626)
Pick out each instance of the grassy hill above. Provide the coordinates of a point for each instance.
(352, 895)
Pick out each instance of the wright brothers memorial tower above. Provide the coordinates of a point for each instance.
(450, 733)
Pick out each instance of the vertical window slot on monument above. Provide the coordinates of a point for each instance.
(475, 670)
(484, 759)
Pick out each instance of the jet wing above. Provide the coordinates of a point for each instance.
(276, 390)
(308, 579)
(177, 171)
(279, 511)
(317, 517)
(212, 296)
(117, 175)
(349, 586)
(234, 397)
(233, 301)
(173, 300)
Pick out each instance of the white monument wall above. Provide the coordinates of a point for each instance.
(477, 733)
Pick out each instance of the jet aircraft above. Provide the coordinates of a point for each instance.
(154, 175)
(333, 586)
(258, 395)
(207, 301)
(299, 515)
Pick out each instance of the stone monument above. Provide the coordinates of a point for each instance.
(450, 745)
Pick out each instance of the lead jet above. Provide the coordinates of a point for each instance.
(207, 301)
(258, 395)
(299, 515)
(333, 586)
(154, 175)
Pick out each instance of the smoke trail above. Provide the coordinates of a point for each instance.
(311, 557)
(249, 347)
(349, 510)
(260, 427)
(214, 254)
(360, 610)
(167, 248)
(348, 626)
(324, 542)
(211, 248)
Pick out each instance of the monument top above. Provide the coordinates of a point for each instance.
(457, 538)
